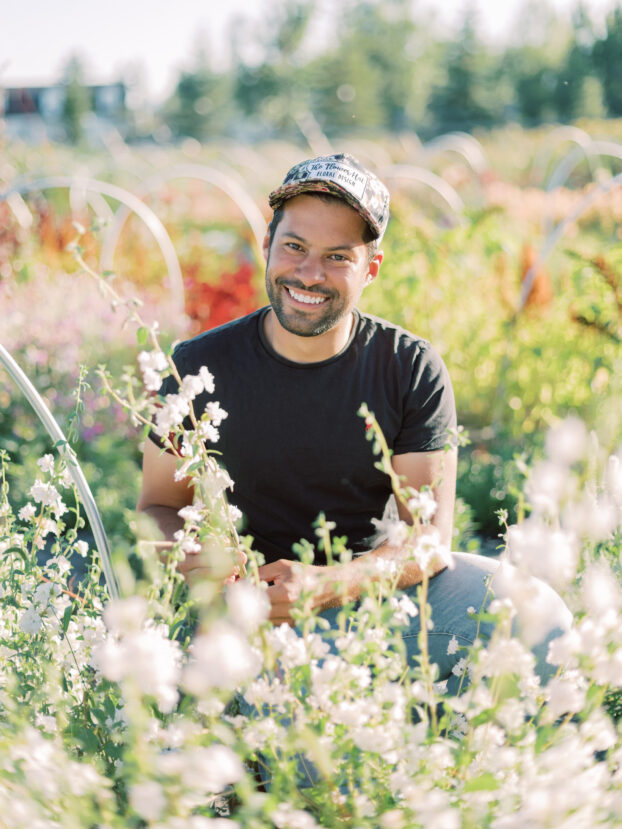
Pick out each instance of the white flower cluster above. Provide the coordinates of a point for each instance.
(139, 653)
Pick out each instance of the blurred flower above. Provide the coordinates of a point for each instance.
(547, 553)
(46, 464)
(147, 799)
(48, 495)
(151, 364)
(221, 658)
(567, 443)
(27, 512)
(248, 605)
(423, 505)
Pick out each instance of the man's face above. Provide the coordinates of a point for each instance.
(317, 265)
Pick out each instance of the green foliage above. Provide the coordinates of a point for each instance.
(76, 103)
(377, 65)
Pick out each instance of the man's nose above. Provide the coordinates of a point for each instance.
(311, 270)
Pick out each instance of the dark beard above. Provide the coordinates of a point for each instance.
(300, 324)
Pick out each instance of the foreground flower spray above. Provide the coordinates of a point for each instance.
(184, 707)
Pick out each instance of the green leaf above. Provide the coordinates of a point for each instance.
(142, 335)
(484, 783)
(66, 617)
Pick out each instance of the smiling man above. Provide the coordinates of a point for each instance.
(292, 377)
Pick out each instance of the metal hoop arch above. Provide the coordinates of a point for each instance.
(132, 203)
(558, 231)
(431, 180)
(69, 456)
(209, 175)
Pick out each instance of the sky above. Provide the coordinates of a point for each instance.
(151, 40)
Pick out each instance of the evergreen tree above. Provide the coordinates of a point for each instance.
(77, 100)
(608, 62)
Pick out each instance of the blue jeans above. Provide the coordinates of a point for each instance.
(451, 593)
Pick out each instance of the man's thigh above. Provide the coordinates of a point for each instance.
(455, 597)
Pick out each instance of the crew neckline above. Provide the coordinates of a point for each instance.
(276, 356)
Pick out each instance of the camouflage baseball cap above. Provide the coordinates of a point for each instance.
(344, 177)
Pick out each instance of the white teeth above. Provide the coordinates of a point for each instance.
(308, 299)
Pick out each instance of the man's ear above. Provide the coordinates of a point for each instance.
(374, 267)
(266, 245)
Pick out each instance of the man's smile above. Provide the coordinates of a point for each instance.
(304, 297)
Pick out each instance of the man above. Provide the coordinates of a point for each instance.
(292, 378)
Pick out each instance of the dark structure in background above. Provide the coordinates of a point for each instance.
(62, 112)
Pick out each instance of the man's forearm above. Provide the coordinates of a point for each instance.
(166, 519)
(344, 583)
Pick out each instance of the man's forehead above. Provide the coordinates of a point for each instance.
(304, 210)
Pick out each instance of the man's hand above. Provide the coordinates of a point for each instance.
(287, 580)
(199, 566)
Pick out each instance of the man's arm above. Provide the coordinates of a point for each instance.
(344, 582)
(161, 498)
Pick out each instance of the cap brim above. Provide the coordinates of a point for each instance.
(296, 188)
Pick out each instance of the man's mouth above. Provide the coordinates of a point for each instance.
(307, 299)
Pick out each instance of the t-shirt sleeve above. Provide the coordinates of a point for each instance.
(430, 409)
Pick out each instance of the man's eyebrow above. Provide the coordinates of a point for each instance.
(345, 246)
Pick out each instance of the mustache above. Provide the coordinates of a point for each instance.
(300, 286)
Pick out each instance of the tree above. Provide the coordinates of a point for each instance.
(77, 100)
(200, 106)
(469, 95)
(608, 62)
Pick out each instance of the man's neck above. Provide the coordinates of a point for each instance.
(307, 349)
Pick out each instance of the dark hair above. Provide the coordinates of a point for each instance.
(368, 238)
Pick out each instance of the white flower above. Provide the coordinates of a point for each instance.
(191, 513)
(423, 505)
(149, 658)
(187, 543)
(452, 646)
(221, 658)
(191, 386)
(613, 478)
(566, 694)
(126, 615)
(46, 463)
(215, 413)
(286, 816)
(567, 442)
(151, 364)
(211, 769)
(207, 379)
(171, 413)
(430, 553)
(248, 605)
(30, 621)
(41, 596)
(27, 512)
(460, 667)
(147, 799)
(394, 530)
(48, 495)
(549, 484)
(82, 548)
(547, 553)
(403, 609)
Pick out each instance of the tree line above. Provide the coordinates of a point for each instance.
(381, 68)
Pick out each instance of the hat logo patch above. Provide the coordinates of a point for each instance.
(348, 178)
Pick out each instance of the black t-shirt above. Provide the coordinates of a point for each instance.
(293, 442)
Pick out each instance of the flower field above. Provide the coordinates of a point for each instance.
(151, 703)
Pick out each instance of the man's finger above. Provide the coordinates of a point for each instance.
(277, 595)
(272, 571)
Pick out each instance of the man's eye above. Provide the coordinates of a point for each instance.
(293, 246)
(339, 257)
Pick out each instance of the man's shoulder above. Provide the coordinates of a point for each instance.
(234, 334)
(378, 331)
